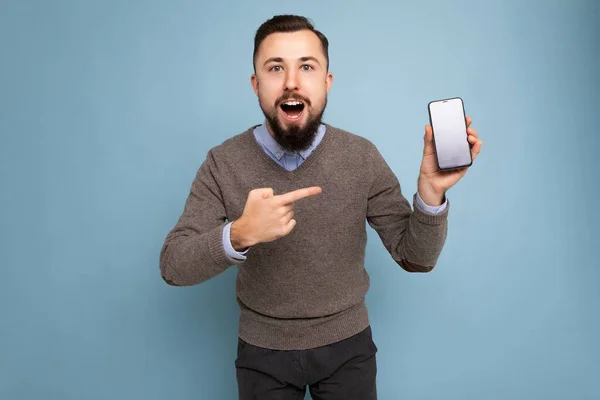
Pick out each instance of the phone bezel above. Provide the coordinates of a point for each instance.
(433, 131)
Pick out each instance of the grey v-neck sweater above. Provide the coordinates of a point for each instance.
(306, 289)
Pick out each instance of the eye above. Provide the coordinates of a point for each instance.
(307, 67)
(275, 68)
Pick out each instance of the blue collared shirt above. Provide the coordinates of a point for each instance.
(290, 161)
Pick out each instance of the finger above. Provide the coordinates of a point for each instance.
(468, 121)
(296, 195)
(287, 216)
(283, 210)
(289, 226)
(472, 139)
(428, 147)
(472, 132)
(476, 149)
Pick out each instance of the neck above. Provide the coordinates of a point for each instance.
(269, 129)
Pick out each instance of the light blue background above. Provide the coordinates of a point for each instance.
(108, 108)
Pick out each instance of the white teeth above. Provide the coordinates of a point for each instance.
(292, 103)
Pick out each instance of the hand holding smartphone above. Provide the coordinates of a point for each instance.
(448, 123)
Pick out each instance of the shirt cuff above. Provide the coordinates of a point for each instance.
(233, 255)
(431, 209)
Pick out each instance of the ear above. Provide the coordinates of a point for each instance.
(329, 81)
(254, 82)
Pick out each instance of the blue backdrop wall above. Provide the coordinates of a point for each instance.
(108, 108)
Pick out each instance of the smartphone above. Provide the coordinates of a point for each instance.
(448, 122)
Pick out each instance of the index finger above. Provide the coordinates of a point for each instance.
(296, 195)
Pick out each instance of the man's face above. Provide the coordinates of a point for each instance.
(292, 82)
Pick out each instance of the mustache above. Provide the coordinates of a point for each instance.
(293, 96)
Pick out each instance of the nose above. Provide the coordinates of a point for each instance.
(291, 81)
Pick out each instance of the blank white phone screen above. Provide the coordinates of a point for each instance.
(450, 131)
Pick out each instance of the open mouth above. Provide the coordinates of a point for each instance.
(292, 109)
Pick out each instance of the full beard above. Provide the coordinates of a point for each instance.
(295, 137)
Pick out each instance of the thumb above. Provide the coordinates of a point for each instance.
(264, 193)
(428, 147)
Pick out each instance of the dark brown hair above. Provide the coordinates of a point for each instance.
(287, 23)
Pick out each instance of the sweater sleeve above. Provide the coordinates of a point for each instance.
(193, 250)
(414, 239)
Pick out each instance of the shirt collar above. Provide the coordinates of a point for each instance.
(262, 135)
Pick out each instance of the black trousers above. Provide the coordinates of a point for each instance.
(345, 370)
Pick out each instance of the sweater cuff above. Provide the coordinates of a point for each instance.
(427, 218)
(215, 247)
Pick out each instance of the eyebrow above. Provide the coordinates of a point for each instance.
(303, 59)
